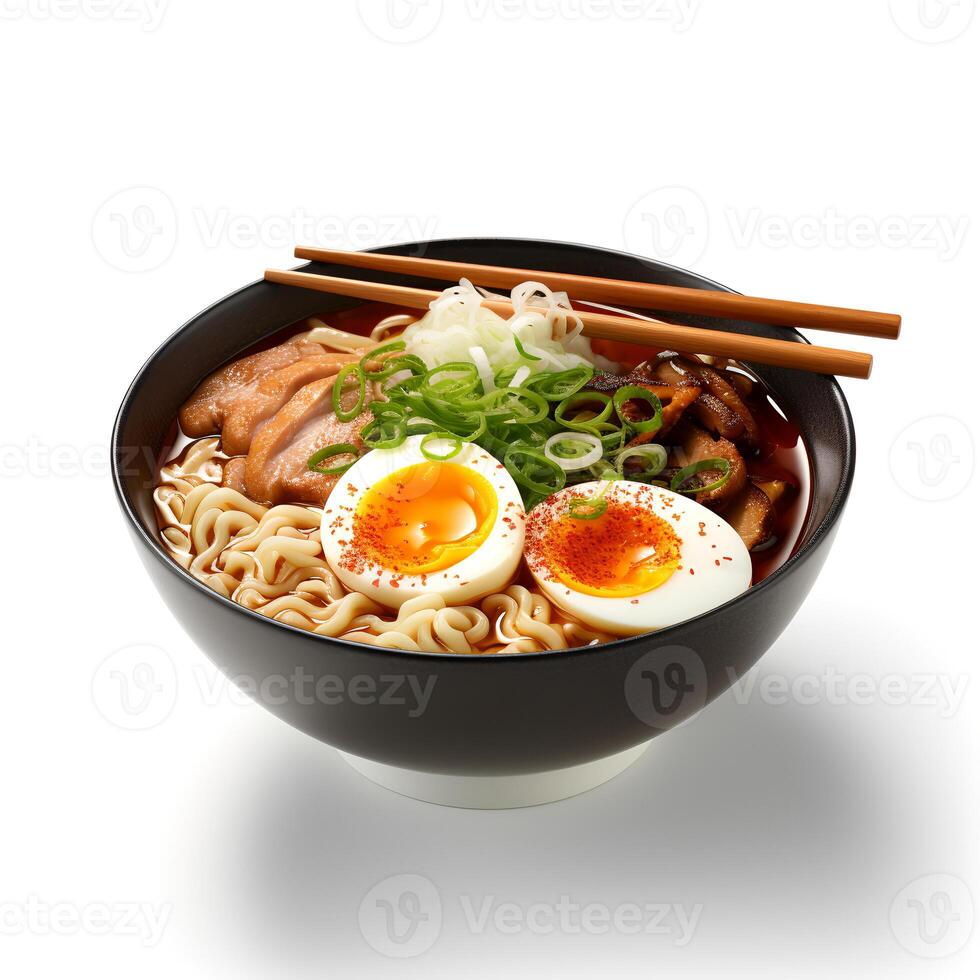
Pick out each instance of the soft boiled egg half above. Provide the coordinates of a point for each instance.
(652, 559)
(399, 525)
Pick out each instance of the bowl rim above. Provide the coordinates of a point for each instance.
(799, 557)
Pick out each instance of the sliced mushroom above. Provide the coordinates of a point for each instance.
(676, 392)
(717, 417)
(742, 383)
(694, 445)
(775, 490)
(752, 515)
(714, 384)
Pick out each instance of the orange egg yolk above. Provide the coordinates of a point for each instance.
(425, 517)
(625, 552)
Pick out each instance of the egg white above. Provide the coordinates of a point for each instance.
(488, 569)
(715, 564)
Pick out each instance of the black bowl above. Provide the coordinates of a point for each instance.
(491, 715)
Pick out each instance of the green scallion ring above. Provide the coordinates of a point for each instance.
(338, 449)
(521, 404)
(587, 508)
(629, 393)
(655, 453)
(525, 476)
(375, 355)
(466, 382)
(448, 437)
(385, 432)
(348, 414)
(715, 463)
(584, 398)
(554, 387)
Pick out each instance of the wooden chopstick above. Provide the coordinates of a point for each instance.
(653, 333)
(674, 299)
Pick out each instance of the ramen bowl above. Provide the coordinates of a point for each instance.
(497, 730)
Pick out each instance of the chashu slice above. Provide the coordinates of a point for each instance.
(248, 412)
(203, 414)
(276, 468)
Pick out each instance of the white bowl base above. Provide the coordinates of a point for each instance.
(497, 792)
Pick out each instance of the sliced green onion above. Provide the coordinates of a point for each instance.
(559, 385)
(378, 356)
(384, 432)
(536, 469)
(587, 508)
(630, 393)
(457, 445)
(655, 454)
(521, 404)
(715, 463)
(586, 452)
(338, 449)
(348, 414)
(590, 508)
(584, 398)
(450, 386)
(522, 352)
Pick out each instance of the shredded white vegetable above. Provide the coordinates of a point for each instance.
(548, 329)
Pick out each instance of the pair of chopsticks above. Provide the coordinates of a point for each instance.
(654, 333)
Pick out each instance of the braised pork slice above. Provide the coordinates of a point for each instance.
(249, 410)
(203, 414)
(694, 444)
(234, 475)
(752, 515)
(276, 468)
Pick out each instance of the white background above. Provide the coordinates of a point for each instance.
(819, 151)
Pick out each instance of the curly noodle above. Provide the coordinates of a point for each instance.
(269, 560)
